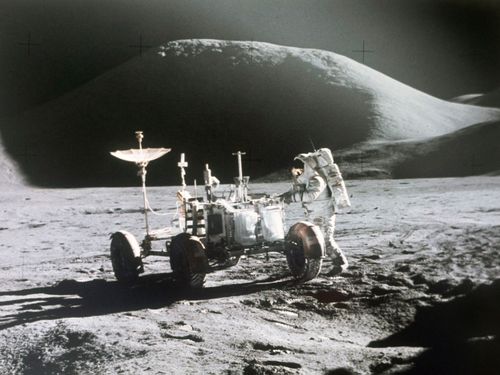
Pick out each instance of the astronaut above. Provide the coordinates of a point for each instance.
(319, 187)
(211, 183)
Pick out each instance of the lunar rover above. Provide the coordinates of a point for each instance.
(212, 233)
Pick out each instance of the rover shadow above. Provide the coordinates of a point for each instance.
(462, 335)
(71, 298)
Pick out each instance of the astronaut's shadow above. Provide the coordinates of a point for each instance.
(71, 298)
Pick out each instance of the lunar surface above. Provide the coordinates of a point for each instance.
(421, 294)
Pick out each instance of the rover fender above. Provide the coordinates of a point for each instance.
(125, 254)
(132, 241)
(313, 241)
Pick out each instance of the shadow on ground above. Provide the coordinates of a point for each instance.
(71, 298)
(462, 335)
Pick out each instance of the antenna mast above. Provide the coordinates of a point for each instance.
(142, 173)
(312, 144)
(183, 164)
(240, 180)
(141, 157)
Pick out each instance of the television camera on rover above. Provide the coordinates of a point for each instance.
(213, 233)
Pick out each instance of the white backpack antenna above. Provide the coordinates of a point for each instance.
(312, 144)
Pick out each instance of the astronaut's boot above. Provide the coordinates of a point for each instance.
(339, 260)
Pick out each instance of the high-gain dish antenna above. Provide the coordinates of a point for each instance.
(141, 157)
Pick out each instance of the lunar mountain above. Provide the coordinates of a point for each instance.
(466, 152)
(9, 171)
(209, 98)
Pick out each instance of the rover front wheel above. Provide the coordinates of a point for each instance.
(188, 260)
(125, 257)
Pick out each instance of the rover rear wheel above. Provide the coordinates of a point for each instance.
(304, 249)
(188, 260)
(232, 261)
(125, 257)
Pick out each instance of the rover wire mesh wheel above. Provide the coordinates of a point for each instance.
(301, 266)
(125, 257)
(188, 260)
(228, 262)
(232, 261)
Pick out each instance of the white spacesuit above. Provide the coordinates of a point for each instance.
(321, 190)
(211, 183)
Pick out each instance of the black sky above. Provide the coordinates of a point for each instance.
(446, 48)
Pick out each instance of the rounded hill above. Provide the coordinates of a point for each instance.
(209, 98)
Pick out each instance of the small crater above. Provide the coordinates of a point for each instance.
(329, 296)
(284, 364)
(383, 290)
(404, 268)
(36, 225)
(271, 368)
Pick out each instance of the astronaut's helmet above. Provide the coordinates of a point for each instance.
(307, 159)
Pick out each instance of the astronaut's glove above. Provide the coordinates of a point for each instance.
(286, 197)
